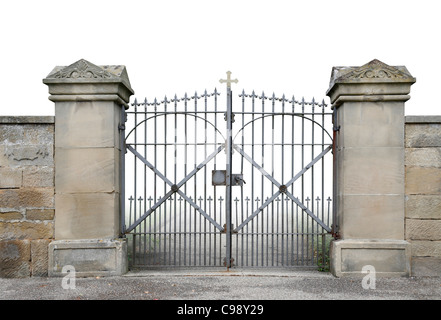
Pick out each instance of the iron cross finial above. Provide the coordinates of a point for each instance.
(228, 81)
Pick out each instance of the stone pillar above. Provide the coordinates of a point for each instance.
(369, 169)
(89, 101)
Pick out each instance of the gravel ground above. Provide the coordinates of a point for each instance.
(221, 285)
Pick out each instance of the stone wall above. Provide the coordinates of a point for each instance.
(423, 193)
(26, 195)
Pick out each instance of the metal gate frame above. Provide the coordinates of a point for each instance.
(229, 180)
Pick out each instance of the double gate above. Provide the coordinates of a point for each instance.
(207, 184)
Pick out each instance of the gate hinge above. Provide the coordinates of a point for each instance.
(336, 128)
(336, 235)
(121, 127)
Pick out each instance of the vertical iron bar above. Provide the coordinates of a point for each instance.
(195, 179)
(205, 182)
(323, 183)
(228, 195)
(272, 185)
(185, 174)
(122, 171)
(165, 174)
(292, 192)
(312, 178)
(303, 179)
(155, 196)
(252, 175)
(283, 176)
(262, 178)
(134, 163)
(214, 191)
(145, 179)
(241, 171)
(175, 178)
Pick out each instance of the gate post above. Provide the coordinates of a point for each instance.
(368, 103)
(89, 102)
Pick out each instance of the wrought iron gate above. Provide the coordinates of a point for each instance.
(213, 186)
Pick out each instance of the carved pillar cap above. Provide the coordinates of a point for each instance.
(85, 81)
(375, 81)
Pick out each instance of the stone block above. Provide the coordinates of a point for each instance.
(87, 124)
(423, 206)
(423, 229)
(39, 257)
(87, 216)
(423, 157)
(38, 176)
(38, 134)
(372, 217)
(421, 180)
(40, 214)
(86, 170)
(11, 134)
(388, 257)
(27, 198)
(423, 135)
(10, 178)
(90, 258)
(426, 248)
(426, 266)
(372, 171)
(26, 230)
(15, 257)
(11, 215)
(359, 119)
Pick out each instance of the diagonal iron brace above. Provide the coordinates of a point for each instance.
(174, 188)
(298, 175)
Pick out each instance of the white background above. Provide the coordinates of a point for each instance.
(176, 46)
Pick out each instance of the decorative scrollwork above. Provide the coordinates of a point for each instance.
(82, 69)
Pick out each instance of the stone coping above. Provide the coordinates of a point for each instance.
(423, 119)
(27, 119)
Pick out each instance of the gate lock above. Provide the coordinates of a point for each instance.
(219, 178)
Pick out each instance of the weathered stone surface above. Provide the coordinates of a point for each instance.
(10, 177)
(39, 134)
(39, 257)
(423, 135)
(388, 119)
(15, 257)
(11, 215)
(423, 157)
(27, 155)
(20, 120)
(87, 124)
(11, 134)
(421, 248)
(87, 216)
(389, 257)
(423, 206)
(89, 257)
(373, 171)
(86, 170)
(372, 217)
(27, 230)
(40, 214)
(38, 176)
(27, 197)
(423, 229)
(426, 266)
(421, 180)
